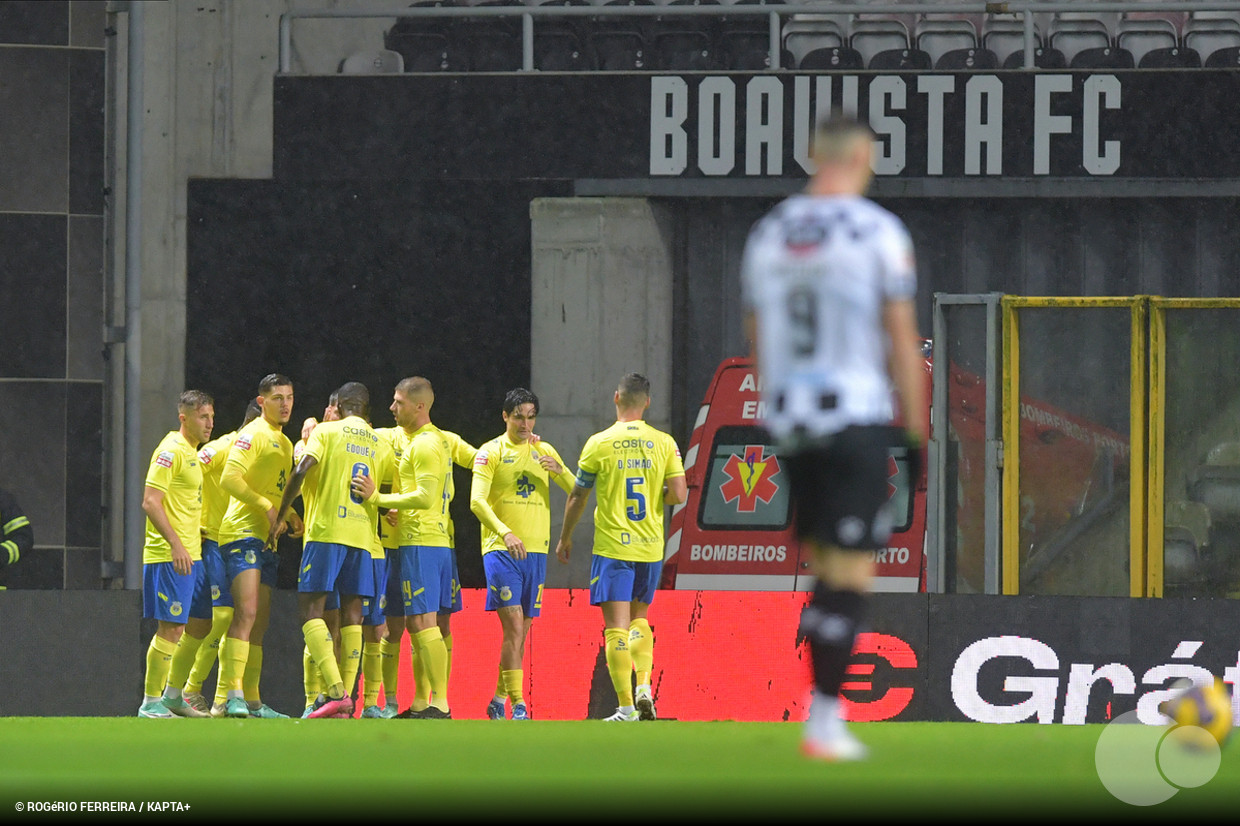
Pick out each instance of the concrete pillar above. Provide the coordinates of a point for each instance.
(601, 307)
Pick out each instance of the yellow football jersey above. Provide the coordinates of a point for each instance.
(425, 475)
(258, 466)
(212, 457)
(627, 464)
(343, 449)
(176, 471)
(511, 492)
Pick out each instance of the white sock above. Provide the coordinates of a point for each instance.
(824, 721)
(172, 693)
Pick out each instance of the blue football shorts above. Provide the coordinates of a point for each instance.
(515, 582)
(426, 579)
(171, 597)
(619, 580)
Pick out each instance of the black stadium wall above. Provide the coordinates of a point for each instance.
(394, 236)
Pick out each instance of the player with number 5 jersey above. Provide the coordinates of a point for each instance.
(637, 470)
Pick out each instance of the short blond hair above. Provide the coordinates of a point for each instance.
(836, 136)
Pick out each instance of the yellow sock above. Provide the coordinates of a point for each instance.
(447, 673)
(421, 679)
(209, 651)
(182, 662)
(158, 661)
(390, 651)
(372, 673)
(350, 655)
(620, 664)
(233, 656)
(319, 641)
(641, 649)
(434, 656)
(501, 688)
(310, 676)
(514, 682)
(253, 673)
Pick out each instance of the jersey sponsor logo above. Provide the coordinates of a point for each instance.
(242, 442)
(750, 478)
(164, 459)
(525, 486)
(480, 458)
(206, 455)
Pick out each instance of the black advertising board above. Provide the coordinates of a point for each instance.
(1061, 659)
(1137, 124)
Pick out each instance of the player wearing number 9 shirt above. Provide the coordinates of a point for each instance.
(829, 285)
(636, 469)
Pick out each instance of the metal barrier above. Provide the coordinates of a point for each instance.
(774, 13)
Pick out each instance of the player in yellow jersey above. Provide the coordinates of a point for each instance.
(425, 554)
(636, 470)
(398, 438)
(174, 584)
(211, 458)
(341, 527)
(311, 678)
(254, 477)
(511, 497)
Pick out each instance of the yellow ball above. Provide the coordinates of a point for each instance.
(1201, 709)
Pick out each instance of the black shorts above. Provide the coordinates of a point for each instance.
(840, 489)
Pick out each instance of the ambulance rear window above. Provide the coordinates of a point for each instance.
(745, 486)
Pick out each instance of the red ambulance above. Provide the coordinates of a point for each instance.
(735, 532)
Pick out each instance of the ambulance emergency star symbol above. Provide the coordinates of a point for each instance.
(750, 478)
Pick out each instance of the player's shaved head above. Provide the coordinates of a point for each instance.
(353, 399)
(840, 139)
(416, 389)
(633, 391)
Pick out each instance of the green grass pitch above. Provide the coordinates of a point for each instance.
(552, 771)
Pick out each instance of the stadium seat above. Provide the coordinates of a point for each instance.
(1071, 34)
(1227, 57)
(804, 33)
(832, 57)
(1186, 538)
(684, 43)
(425, 44)
(372, 62)
(1216, 483)
(968, 60)
(936, 35)
(1175, 58)
(1005, 36)
(1042, 59)
(490, 44)
(1140, 35)
(909, 60)
(619, 44)
(870, 36)
(1207, 33)
(559, 47)
(1103, 58)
